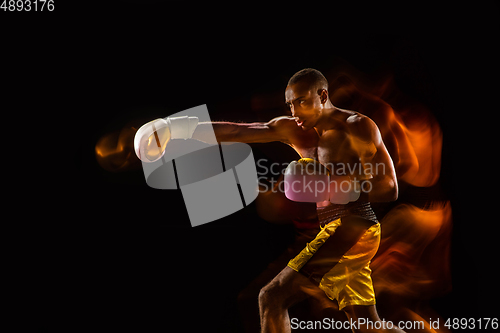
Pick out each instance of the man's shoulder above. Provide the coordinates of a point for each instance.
(358, 121)
(282, 122)
(283, 119)
(351, 120)
(360, 125)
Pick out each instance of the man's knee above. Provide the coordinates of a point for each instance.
(271, 295)
(267, 293)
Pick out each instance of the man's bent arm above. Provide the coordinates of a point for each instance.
(375, 158)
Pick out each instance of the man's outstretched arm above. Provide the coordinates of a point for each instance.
(241, 132)
(152, 138)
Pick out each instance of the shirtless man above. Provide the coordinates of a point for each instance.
(336, 262)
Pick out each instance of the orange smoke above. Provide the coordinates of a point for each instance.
(413, 257)
(426, 139)
(115, 151)
(410, 132)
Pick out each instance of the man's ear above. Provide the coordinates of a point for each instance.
(323, 95)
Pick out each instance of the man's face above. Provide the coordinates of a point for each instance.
(304, 103)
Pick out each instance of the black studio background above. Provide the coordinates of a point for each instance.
(114, 254)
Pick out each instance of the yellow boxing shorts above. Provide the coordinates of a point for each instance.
(348, 281)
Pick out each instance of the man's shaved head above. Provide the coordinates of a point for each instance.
(307, 96)
(314, 79)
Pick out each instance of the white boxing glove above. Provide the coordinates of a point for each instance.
(182, 127)
(152, 138)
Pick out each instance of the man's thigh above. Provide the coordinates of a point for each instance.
(328, 255)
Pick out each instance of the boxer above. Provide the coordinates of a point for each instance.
(336, 262)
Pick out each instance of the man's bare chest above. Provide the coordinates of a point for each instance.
(334, 147)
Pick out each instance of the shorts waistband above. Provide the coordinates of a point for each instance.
(334, 211)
